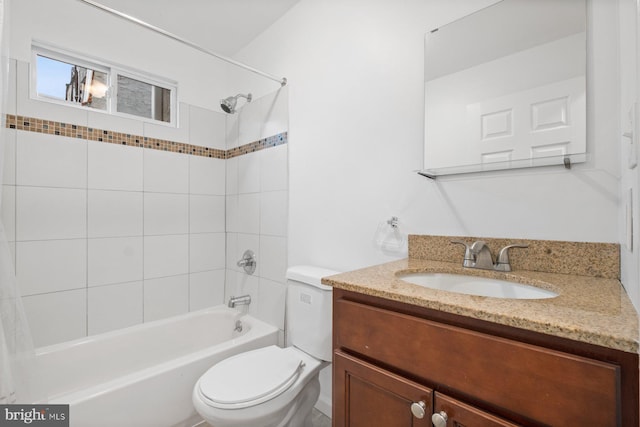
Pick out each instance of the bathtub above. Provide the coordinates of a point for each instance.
(144, 375)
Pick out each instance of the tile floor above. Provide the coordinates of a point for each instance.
(318, 419)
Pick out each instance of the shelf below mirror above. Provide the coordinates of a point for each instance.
(565, 160)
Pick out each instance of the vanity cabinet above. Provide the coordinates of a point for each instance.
(376, 397)
(389, 356)
(456, 413)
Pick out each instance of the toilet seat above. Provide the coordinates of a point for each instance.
(248, 379)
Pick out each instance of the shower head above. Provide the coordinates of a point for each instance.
(228, 105)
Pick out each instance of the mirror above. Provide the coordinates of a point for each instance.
(505, 87)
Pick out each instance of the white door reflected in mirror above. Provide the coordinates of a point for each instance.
(505, 87)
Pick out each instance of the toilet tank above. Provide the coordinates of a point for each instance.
(309, 310)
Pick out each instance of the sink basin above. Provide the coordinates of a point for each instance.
(473, 285)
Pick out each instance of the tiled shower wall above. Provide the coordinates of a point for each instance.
(108, 235)
(257, 207)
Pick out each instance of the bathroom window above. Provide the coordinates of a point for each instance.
(71, 80)
(143, 99)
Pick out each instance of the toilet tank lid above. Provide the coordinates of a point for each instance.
(310, 274)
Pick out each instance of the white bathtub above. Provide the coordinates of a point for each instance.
(144, 375)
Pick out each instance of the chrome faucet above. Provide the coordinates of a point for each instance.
(242, 300)
(478, 255)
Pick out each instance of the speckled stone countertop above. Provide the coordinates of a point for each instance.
(589, 309)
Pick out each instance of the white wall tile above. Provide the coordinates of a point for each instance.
(274, 168)
(115, 167)
(250, 285)
(166, 214)
(12, 87)
(248, 214)
(114, 306)
(206, 289)
(264, 117)
(232, 129)
(41, 109)
(115, 260)
(231, 252)
(230, 284)
(275, 112)
(281, 338)
(207, 214)
(231, 213)
(273, 257)
(165, 297)
(250, 119)
(12, 251)
(206, 175)
(50, 213)
(166, 172)
(206, 128)
(249, 173)
(232, 176)
(272, 299)
(206, 252)
(56, 317)
(8, 211)
(51, 160)
(247, 242)
(51, 265)
(170, 133)
(273, 213)
(104, 121)
(115, 213)
(238, 284)
(166, 255)
(9, 165)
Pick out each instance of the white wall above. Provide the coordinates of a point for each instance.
(629, 93)
(79, 27)
(356, 125)
(202, 79)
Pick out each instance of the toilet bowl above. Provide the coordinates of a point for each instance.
(264, 387)
(274, 386)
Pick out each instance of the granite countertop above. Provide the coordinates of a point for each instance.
(594, 310)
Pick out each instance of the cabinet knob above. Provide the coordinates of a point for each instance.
(440, 420)
(418, 409)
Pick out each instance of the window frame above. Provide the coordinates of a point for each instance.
(113, 71)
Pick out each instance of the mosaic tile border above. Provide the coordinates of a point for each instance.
(49, 127)
(261, 144)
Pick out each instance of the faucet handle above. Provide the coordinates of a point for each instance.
(469, 259)
(502, 263)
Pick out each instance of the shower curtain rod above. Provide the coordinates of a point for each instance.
(282, 81)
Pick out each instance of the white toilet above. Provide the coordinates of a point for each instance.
(273, 386)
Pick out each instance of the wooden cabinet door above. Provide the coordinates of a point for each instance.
(368, 396)
(460, 414)
(543, 385)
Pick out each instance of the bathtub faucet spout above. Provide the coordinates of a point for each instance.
(242, 300)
